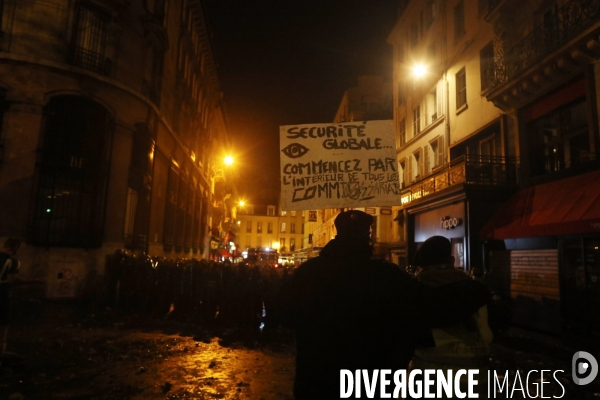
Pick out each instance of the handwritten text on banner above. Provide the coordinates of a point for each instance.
(349, 164)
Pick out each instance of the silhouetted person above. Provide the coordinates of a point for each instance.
(464, 345)
(352, 312)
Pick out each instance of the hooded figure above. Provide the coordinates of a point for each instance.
(352, 312)
(464, 345)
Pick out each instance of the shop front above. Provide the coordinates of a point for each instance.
(447, 221)
(549, 258)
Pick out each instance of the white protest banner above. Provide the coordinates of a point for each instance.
(351, 164)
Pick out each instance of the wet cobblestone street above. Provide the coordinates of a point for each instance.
(82, 354)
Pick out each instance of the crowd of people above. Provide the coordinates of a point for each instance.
(349, 311)
(196, 290)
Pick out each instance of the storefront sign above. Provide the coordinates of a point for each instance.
(450, 222)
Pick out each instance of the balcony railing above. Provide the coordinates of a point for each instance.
(90, 60)
(467, 169)
(571, 19)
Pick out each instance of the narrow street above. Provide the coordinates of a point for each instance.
(75, 355)
(85, 353)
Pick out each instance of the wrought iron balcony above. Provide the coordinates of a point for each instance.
(571, 20)
(90, 60)
(467, 169)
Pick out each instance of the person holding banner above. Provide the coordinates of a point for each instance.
(352, 312)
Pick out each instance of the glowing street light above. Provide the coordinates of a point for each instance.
(228, 160)
(419, 70)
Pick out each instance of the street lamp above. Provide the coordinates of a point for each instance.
(419, 70)
(228, 160)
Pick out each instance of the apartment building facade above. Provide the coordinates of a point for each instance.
(544, 76)
(498, 146)
(270, 227)
(112, 132)
(448, 134)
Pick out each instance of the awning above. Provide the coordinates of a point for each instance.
(563, 207)
(225, 253)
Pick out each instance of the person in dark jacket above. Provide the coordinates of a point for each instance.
(353, 312)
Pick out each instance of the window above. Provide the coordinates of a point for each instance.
(258, 226)
(487, 148)
(270, 210)
(283, 213)
(292, 227)
(399, 54)
(403, 174)
(461, 88)
(4, 104)
(416, 121)
(292, 244)
(401, 94)
(483, 6)
(180, 215)
(429, 13)
(269, 227)
(154, 70)
(431, 51)
(402, 133)
(560, 139)
(171, 208)
(283, 227)
(486, 65)
(418, 165)
(437, 152)
(459, 20)
(130, 209)
(248, 226)
(282, 245)
(72, 171)
(89, 39)
(408, 172)
(414, 35)
(293, 213)
(431, 106)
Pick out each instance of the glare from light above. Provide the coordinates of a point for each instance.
(228, 160)
(419, 70)
(242, 203)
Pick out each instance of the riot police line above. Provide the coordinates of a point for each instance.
(194, 290)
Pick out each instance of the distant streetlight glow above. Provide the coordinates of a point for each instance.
(242, 203)
(419, 70)
(228, 160)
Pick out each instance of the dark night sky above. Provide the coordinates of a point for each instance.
(289, 62)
